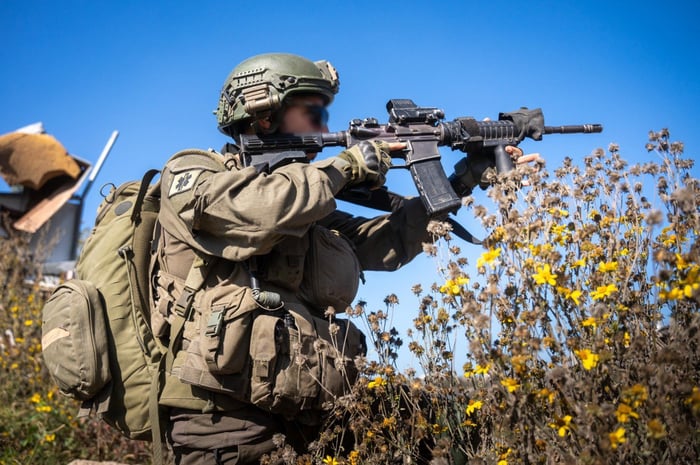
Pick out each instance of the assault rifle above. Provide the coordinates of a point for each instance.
(423, 130)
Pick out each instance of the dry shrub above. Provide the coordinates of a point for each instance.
(581, 319)
(37, 424)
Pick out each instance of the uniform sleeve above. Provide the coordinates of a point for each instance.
(386, 242)
(239, 213)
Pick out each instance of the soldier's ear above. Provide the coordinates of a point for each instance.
(264, 123)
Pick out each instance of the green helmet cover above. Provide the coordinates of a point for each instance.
(259, 85)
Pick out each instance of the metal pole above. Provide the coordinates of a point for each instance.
(81, 199)
(100, 161)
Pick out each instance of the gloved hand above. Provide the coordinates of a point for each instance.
(478, 170)
(369, 162)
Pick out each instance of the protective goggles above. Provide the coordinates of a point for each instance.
(317, 114)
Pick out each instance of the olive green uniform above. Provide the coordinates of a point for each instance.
(211, 208)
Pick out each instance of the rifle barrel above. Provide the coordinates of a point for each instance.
(573, 129)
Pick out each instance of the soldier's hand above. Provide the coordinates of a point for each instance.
(475, 170)
(480, 170)
(369, 162)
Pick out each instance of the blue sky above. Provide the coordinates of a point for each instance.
(153, 70)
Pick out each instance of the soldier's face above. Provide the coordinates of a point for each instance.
(305, 114)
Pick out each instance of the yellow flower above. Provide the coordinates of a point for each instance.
(479, 370)
(330, 460)
(473, 406)
(378, 382)
(574, 295)
(562, 425)
(558, 212)
(43, 408)
(603, 291)
(36, 398)
(624, 412)
(635, 395)
(389, 422)
(482, 369)
(694, 400)
(588, 358)
(510, 384)
(689, 285)
(503, 456)
(454, 286)
(558, 229)
(50, 437)
(606, 267)
(544, 275)
(546, 393)
(569, 294)
(673, 294)
(689, 289)
(590, 322)
(617, 437)
(28, 322)
(627, 339)
(438, 429)
(657, 430)
(581, 262)
(488, 257)
(681, 264)
(354, 457)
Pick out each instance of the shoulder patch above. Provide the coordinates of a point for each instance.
(183, 181)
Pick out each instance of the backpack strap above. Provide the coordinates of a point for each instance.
(143, 190)
(183, 310)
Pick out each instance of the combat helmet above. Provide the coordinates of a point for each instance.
(258, 86)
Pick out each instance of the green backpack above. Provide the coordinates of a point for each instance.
(97, 341)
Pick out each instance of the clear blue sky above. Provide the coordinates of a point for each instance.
(153, 70)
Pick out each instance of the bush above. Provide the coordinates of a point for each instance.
(37, 424)
(581, 319)
(582, 323)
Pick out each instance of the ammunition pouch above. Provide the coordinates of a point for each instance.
(284, 360)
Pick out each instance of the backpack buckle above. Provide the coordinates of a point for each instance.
(183, 306)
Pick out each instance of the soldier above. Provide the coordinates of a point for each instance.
(271, 240)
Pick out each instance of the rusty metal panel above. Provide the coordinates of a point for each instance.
(31, 160)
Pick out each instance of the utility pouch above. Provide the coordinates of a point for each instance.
(169, 287)
(217, 341)
(224, 328)
(331, 270)
(339, 343)
(300, 362)
(75, 341)
(285, 369)
(285, 360)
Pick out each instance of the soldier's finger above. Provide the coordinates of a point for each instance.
(530, 157)
(394, 146)
(514, 151)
